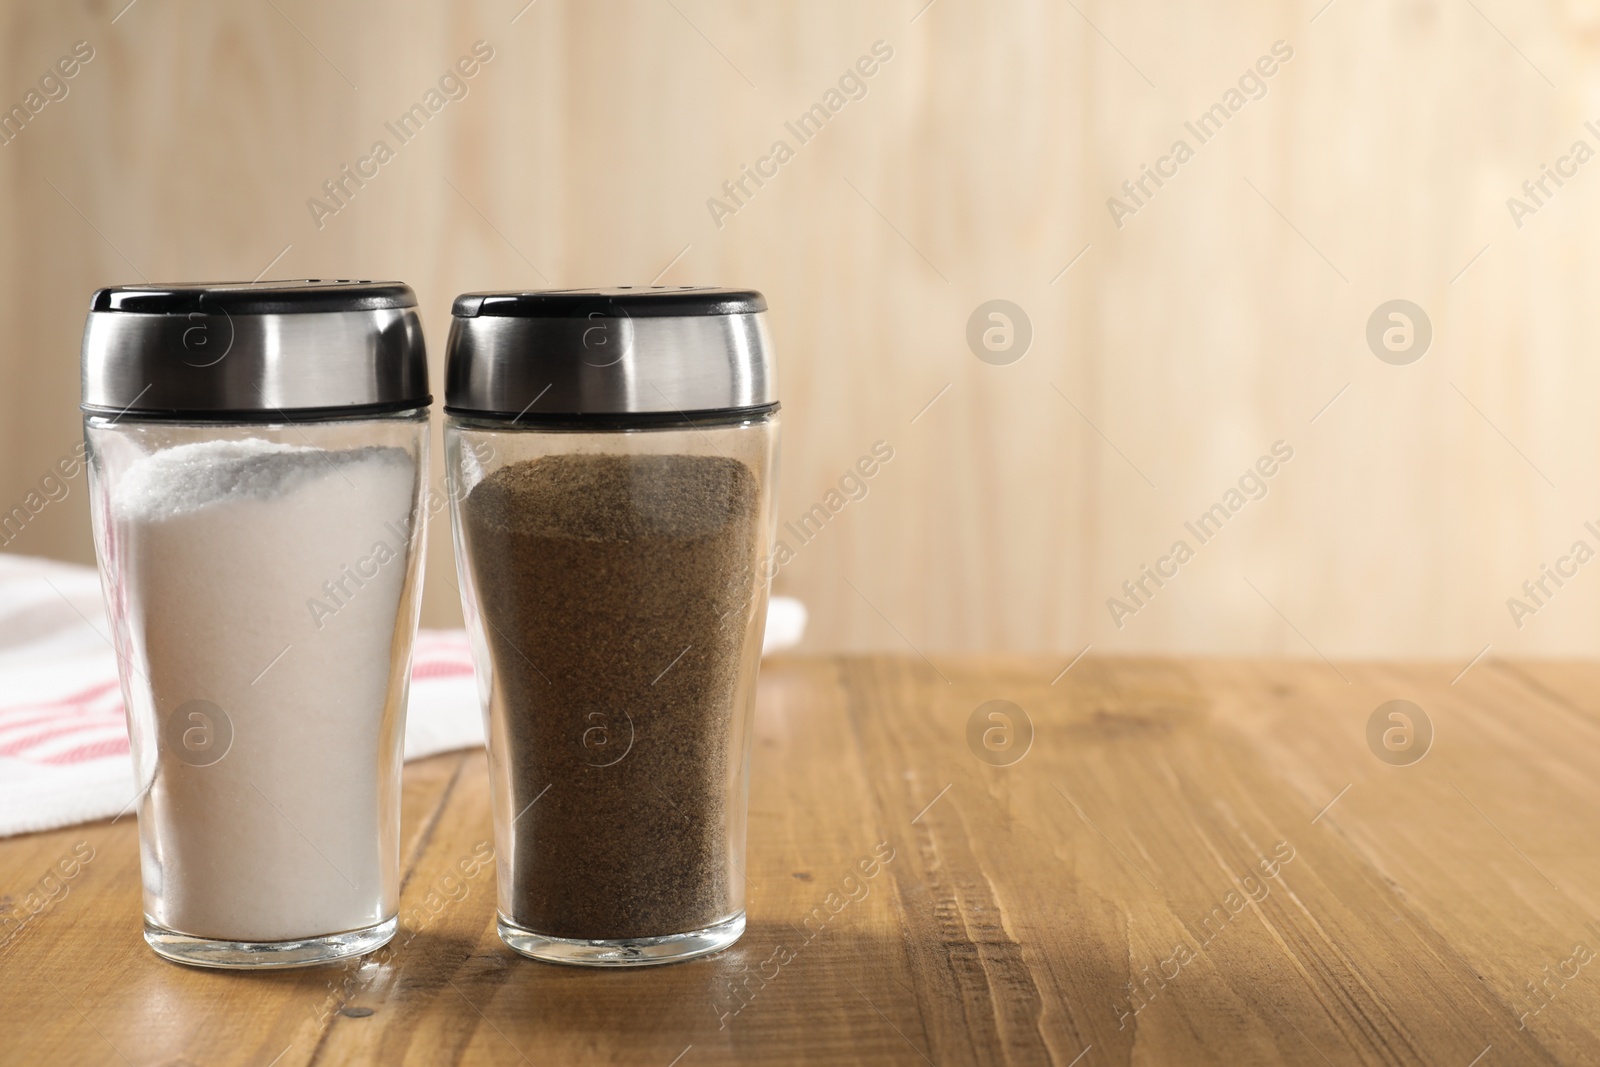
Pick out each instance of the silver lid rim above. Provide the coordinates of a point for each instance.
(608, 364)
(217, 366)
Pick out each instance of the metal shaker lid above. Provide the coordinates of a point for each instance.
(227, 351)
(566, 356)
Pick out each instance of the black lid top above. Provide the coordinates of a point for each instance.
(655, 301)
(256, 298)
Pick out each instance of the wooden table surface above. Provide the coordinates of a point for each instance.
(1194, 862)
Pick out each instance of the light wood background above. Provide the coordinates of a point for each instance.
(1224, 316)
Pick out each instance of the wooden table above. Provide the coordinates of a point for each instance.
(1195, 862)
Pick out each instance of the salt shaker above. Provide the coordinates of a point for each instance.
(257, 456)
(611, 457)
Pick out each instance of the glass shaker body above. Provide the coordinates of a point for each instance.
(614, 583)
(261, 584)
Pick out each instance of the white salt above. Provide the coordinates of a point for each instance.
(225, 548)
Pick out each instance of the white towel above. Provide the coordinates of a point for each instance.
(63, 737)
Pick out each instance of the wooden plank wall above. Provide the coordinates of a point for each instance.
(1219, 318)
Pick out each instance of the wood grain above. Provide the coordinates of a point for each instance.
(1224, 316)
(1025, 912)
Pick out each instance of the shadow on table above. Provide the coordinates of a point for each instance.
(772, 976)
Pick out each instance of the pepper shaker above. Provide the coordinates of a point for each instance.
(612, 464)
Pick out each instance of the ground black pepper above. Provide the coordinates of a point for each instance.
(616, 592)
